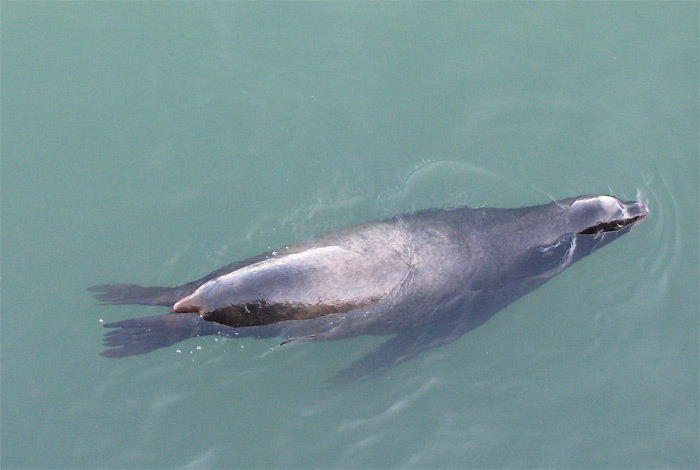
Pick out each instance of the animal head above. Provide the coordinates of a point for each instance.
(533, 244)
(603, 216)
(575, 227)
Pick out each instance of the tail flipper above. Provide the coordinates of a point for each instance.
(120, 294)
(143, 335)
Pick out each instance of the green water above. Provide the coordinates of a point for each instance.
(154, 142)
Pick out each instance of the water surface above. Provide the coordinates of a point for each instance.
(154, 142)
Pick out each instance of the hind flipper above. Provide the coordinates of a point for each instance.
(121, 294)
(143, 335)
(146, 334)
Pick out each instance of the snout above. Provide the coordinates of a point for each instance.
(635, 210)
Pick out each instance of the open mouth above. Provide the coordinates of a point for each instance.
(612, 226)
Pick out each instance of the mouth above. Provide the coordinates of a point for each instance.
(634, 213)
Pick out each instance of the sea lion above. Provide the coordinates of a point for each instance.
(426, 278)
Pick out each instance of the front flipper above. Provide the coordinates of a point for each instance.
(391, 353)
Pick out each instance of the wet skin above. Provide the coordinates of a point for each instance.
(425, 278)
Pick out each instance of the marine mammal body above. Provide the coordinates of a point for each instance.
(426, 278)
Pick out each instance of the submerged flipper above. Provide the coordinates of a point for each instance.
(390, 354)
